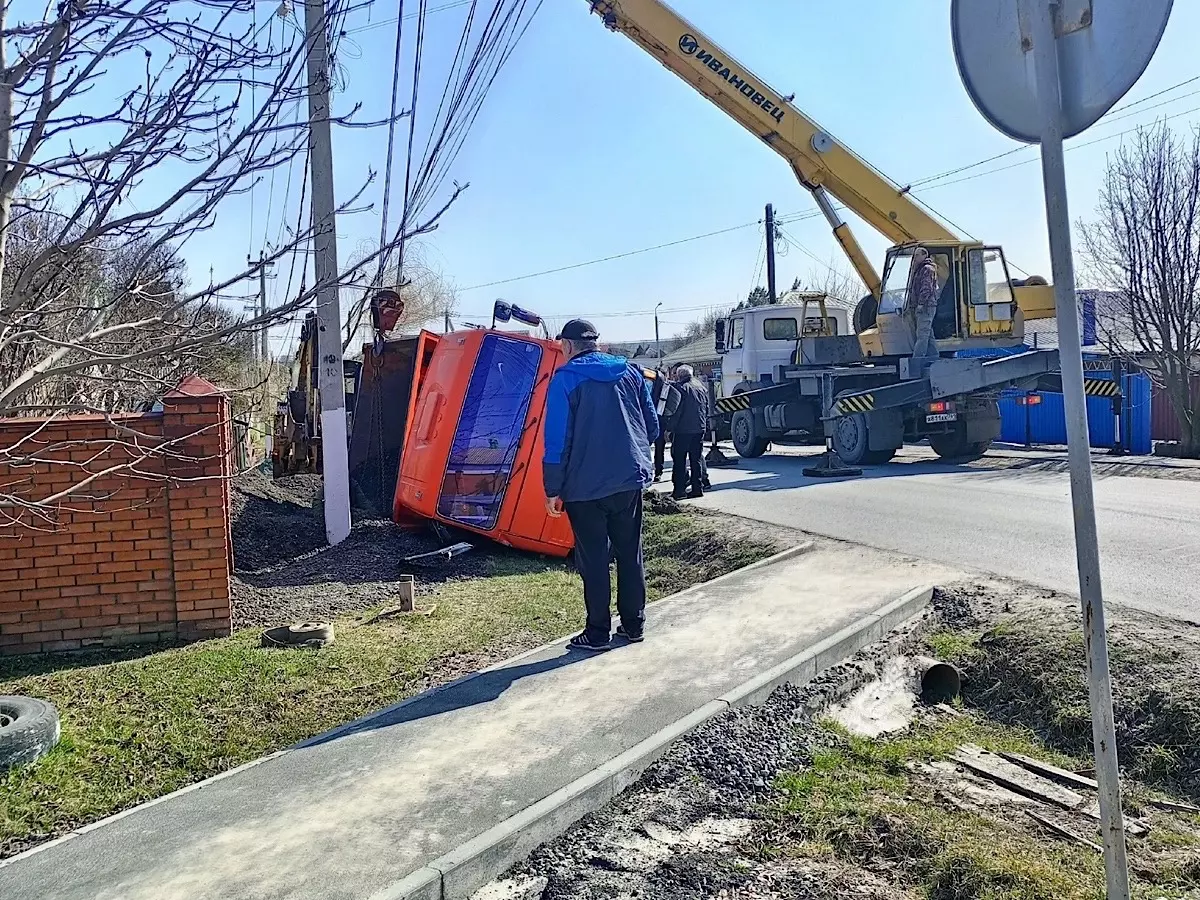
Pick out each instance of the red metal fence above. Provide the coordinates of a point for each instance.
(1164, 424)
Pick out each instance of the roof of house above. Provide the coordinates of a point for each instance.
(1106, 330)
(700, 350)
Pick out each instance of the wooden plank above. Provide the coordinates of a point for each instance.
(1063, 832)
(1015, 778)
(1046, 770)
(1133, 827)
(1172, 806)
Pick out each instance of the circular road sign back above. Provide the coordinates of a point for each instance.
(1103, 48)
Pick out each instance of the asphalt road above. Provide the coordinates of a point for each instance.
(1003, 520)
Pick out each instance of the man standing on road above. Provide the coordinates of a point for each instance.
(599, 425)
(687, 436)
(668, 402)
(923, 296)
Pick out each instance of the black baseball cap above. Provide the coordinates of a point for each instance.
(578, 330)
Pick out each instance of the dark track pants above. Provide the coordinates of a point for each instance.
(660, 454)
(614, 522)
(687, 452)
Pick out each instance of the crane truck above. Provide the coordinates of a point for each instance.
(859, 392)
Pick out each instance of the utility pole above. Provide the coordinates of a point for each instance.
(330, 374)
(657, 343)
(771, 254)
(264, 352)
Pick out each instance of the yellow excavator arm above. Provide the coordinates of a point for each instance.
(823, 165)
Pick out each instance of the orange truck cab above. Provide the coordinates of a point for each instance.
(472, 450)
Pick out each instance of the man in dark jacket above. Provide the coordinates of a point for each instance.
(687, 436)
(667, 403)
(599, 425)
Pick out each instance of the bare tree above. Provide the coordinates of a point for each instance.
(428, 294)
(126, 127)
(841, 285)
(1144, 247)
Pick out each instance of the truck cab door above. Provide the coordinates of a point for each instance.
(733, 368)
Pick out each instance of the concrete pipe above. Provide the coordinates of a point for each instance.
(939, 681)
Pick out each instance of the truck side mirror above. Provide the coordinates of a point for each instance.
(720, 339)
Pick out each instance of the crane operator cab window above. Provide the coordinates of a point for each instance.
(990, 295)
(897, 284)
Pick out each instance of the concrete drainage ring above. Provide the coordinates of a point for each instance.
(306, 635)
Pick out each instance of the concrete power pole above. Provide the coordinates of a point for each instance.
(264, 334)
(330, 376)
(771, 254)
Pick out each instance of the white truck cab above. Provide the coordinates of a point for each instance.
(759, 338)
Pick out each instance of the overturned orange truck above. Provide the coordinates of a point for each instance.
(448, 428)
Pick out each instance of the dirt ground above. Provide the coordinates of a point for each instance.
(780, 802)
(285, 572)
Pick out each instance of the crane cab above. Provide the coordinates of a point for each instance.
(977, 303)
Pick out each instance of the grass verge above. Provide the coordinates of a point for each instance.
(873, 804)
(1026, 667)
(135, 728)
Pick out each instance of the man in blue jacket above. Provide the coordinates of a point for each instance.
(600, 423)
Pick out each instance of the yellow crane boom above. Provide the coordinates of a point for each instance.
(821, 164)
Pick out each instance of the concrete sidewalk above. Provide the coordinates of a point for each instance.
(449, 787)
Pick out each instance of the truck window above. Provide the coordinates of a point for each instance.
(739, 334)
(489, 431)
(780, 329)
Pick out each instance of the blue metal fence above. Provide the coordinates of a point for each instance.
(1045, 422)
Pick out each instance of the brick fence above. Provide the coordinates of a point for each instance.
(141, 554)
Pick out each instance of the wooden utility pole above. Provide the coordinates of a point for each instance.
(330, 375)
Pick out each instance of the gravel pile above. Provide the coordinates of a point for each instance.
(274, 521)
(285, 572)
(645, 844)
(357, 574)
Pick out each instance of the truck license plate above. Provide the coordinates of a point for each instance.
(942, 417)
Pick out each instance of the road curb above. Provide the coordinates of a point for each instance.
(462, 871)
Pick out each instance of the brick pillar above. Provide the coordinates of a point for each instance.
(196, 416)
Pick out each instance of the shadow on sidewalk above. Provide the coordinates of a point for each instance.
(473, 690)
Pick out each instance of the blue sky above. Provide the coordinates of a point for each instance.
(587, 148)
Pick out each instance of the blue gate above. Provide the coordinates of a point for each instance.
(1045, 422)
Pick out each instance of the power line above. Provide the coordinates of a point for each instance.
(810, 214)
(395, 19)
(595, 262)
(609, 314)
(1105, 119)
(1025, 162)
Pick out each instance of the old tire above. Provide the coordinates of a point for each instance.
(308, 635)
(866, 312)
(29, 728)
(748, 443)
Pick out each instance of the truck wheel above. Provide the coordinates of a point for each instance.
(954, 445)
(748, 443)
(850, 439)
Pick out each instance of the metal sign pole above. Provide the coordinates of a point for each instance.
(1087, 552)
